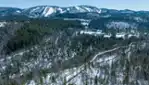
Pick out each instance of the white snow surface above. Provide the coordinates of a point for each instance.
(88, 9)
(32, 82)
(91, 32)
(61, 10)
(78, 8)
(120, 35)
(107, 35)
(2, 24)
(48, 11)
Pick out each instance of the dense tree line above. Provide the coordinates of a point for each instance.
(100, 23)
(32, 32)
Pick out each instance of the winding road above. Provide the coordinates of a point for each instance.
(81, 68)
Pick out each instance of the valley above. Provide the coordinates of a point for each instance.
(76, 45)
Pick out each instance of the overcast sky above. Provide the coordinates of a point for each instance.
(114, 4)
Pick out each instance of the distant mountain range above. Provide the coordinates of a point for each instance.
(83, 11)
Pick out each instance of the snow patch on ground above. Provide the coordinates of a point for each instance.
(99, 32)
(32, 82)
(120, 35)
(121, 25)
(61, 10)
(18, 11)
(107, 35)
(2, 24)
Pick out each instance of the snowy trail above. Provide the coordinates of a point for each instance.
(81, 68)
(101, 53)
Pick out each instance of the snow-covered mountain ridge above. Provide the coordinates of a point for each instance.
(47, 11)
